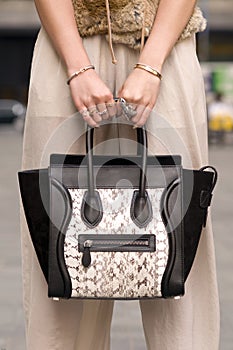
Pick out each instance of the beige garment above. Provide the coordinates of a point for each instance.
(178, 125)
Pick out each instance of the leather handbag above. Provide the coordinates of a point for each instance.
(108, 227)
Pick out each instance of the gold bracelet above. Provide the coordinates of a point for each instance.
(75, 74)
(149, 69)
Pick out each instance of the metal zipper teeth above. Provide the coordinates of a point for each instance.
(124, 243)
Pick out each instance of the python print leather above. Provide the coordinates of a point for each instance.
(116, 274)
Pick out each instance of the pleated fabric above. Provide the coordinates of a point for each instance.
(176, 126)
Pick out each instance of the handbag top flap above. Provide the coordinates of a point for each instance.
(81, 160)
(109, 171)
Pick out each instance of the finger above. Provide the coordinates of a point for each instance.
(130, 110)
(112, 110)
(127, 110)
(94, 113)
(87, 118)
(140, 109)
(145, 115)
(103, 111)
(119, 111)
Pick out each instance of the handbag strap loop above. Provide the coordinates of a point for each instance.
(215, 178)
(206, 195)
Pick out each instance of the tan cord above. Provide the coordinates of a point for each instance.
(143, 28)
(114, 60)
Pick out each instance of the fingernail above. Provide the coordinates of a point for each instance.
(135, 127)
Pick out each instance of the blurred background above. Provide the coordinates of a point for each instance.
(19, 25)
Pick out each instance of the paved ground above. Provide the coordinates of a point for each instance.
(126, 328)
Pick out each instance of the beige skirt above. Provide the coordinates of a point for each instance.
(176, 126)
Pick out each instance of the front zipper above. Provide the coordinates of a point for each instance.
(114, 243)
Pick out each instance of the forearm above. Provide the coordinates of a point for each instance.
(57, 17)
(172, 17)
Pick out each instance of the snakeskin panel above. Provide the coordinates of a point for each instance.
(116, 274)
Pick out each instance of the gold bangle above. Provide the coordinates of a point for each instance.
(75, 74)
(149, 69)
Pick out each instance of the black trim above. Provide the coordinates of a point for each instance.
(61, 213)
(171, 213)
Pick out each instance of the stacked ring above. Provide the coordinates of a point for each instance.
(129, 111)
(110, 104)
(93, 111)
(84, 112)
(103, 112)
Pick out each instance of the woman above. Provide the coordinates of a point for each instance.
(176, 104)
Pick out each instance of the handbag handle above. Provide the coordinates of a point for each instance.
(140, 210)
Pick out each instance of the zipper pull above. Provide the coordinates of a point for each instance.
(86, 259)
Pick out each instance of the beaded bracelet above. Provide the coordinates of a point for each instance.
(75, 74)
(149, 69)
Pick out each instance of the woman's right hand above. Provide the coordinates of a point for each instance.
(92, 97)
(88, 91)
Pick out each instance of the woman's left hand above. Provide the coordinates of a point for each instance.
(141, 91)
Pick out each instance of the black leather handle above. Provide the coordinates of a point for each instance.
(89, 147)
(141, 150)
(140, 141)
(141, 209)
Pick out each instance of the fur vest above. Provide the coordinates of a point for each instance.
(126, 22)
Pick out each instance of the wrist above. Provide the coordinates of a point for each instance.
(76, 58)
(73, 53)
(153, 54)
(156, 63)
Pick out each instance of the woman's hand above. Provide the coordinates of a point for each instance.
(90, 95)
(92, 98)
(140, 90)
(142, 87)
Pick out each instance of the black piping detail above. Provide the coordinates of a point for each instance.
(61, 236)
(172, 285)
